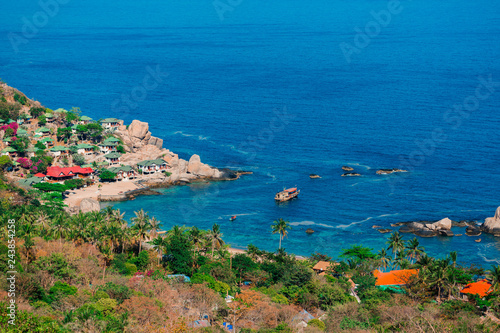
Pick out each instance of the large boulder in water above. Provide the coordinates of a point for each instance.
(492, 224)
(444, 224)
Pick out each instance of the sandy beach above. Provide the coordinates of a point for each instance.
(76, 196)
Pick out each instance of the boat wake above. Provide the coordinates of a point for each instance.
(310, 223)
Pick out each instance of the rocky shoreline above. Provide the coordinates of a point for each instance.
(443, 227)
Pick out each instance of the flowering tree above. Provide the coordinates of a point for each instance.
(25, 162)
(13, 126)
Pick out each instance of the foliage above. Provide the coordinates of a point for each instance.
(72, 184)
(48, 187)
(42, 120)
(26, 322)
(20, 98)
(20, 144)
(78, 159)
(317, 323)
(120, 149)
(107, 175)
(9, 110)
(36, 112)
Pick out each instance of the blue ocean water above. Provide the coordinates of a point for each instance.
(285, 89)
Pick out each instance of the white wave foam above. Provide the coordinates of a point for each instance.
(310, 223)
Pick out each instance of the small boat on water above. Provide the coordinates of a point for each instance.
(287, 194)
(232, 218)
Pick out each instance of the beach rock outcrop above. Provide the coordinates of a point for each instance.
(195, 167)
(312, 176)
(389, 171)
(89, 205)
(492, 224)
(137, 136)
(424, 229)
(347, 168)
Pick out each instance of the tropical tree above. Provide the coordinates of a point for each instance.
(195, 236)
(281, 227)
(215, 237)
(59, 227)
(155, 226)
(384, 258)
(493, 275)
(141, 225)
(414, 249)
(396, 243)
(159, 243)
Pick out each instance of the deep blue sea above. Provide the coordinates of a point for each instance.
(285, 89)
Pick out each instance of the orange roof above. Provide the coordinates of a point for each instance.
(397, 277)
(481, 287)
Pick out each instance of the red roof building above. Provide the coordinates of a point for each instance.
(40, 175)
(481, 287)
(59, 173)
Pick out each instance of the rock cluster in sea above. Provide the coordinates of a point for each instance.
(441, 227)
(492, 224)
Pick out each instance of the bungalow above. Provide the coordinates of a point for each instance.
(59, 174)
(58, 151)
(152, 166)
(481, 288)
(7, 140)
(112, 139)
(22, 132)
(47, 141)
(44, 131)
(30, 181)
(24, 119)
(322, 266)
(123, 172)
(84, 120)
(90, 165)
(111, 123)
(9, 151)
(107, 146)
(85, 149)
(113, 158)
(393, 279)
(31, 151)
(50, 117)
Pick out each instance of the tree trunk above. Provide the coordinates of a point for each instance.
(213, 249)
(280, 242)
(140, 244)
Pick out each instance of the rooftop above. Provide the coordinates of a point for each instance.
(113, 155)
(481, 288)
(397, 277)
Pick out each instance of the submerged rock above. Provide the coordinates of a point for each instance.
(351, 174)
(309, 231)
(347, 168)
(312, 175)
(472, 231)
(389, 171)
(384, 231)
(447, 233)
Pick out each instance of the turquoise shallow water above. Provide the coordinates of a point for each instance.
(268, 89)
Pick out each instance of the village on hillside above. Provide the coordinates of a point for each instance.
(68, 152)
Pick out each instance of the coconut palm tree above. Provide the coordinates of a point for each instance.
(396, 243)
(281, 227)
(155, 226)
(215, 237)
(43, 221)
(159, 244)
(493, 275)
(195, 236)
(453, 257)
(424, 261)
(59, 227)
(414, 249)
(384, 258)
(141, 225)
